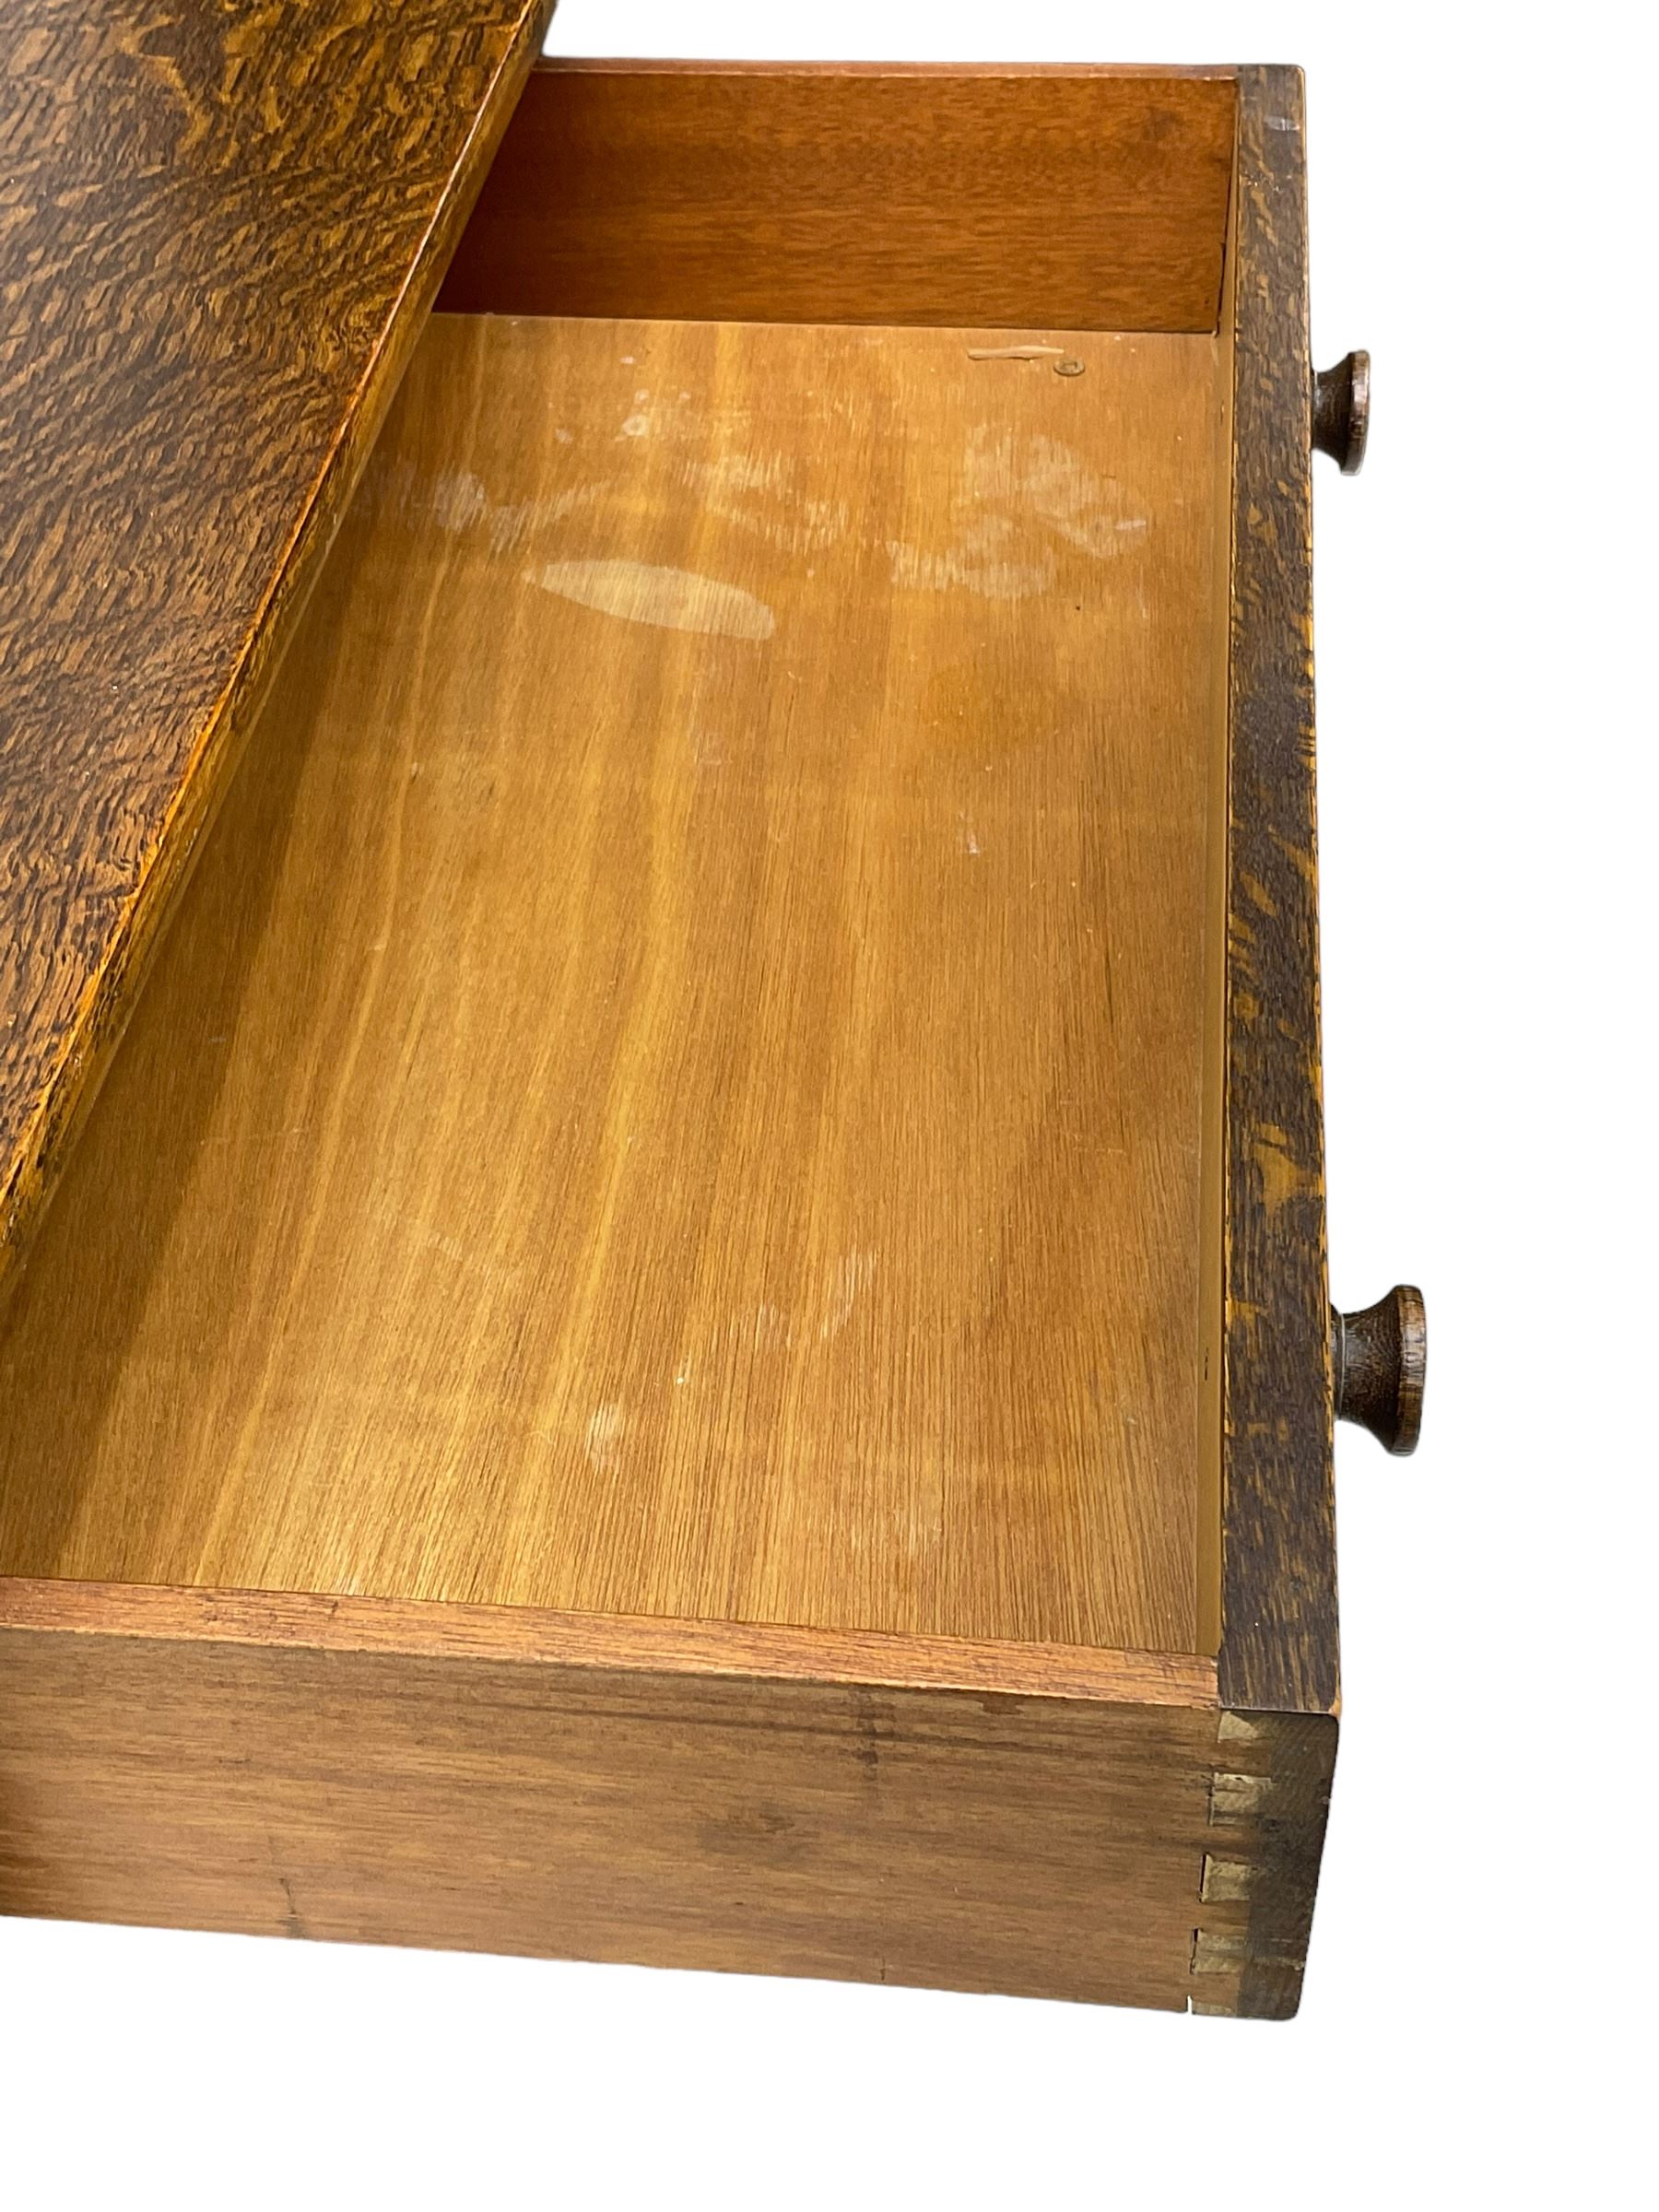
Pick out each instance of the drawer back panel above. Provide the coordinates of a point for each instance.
(1070, 199)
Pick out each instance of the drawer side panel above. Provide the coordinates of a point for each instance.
(1030, 1844)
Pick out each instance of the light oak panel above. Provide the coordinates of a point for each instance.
(356, 1772)
(1090, 198)
(676, 1089)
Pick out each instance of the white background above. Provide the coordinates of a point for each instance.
(1482, 1970)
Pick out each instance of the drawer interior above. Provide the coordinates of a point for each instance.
(684, 1080)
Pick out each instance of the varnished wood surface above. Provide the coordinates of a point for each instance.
(1279, 1650)
(1091, 199)
(1378, 1366)
(1213, 1139)
(655, 1645)
(222, 226)
(1277, 1665)
(356, 1787)
(676, 1089)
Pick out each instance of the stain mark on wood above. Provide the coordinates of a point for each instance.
(668, 598)
(718, 1191)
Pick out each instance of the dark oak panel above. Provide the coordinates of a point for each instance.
(222, 228)
(1056, 199)
(1278, 1552)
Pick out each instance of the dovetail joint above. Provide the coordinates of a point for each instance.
(1238, 1799)
(1219, 1951)
(1225, 1881)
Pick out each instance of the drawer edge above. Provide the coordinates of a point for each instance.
(1278, 1573)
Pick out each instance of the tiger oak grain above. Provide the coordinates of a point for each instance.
(221, 228)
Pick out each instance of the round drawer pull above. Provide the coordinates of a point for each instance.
(1378, 1359)
(1342, 411)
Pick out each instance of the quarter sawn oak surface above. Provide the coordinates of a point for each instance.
(1279, 1567)
(218, 227)
(676, 1085)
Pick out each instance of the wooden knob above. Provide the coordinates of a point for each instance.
(1342, 411)
(1378, 1359)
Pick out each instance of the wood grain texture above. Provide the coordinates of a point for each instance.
(222, 226)
(1278, 1645)
(636, 1642)
(1212, 1278)
(1086, 199)
(317, 1778)
(695, 1108)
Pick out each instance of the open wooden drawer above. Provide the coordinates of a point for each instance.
(691, 1326)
